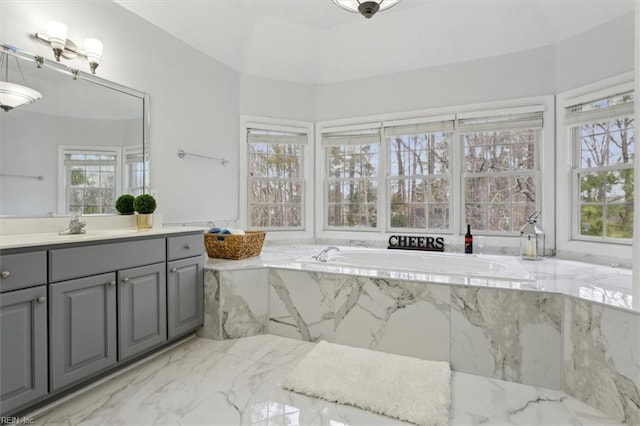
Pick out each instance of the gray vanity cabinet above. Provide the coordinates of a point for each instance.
(23, 347)
(142, 309)
(82, 328)
(71, 312)
(185, 293)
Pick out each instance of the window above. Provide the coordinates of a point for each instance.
(500, 170)
(351, 170)
(419, 176)
(90, 180)
(603, 139)
(136, 174)
(276, 179)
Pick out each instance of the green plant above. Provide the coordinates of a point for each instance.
(124, 204)
(145, 204)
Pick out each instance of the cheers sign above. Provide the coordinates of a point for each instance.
(416, 243)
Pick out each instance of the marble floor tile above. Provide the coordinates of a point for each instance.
(238, 382)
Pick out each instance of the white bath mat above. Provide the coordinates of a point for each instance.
(397, 386)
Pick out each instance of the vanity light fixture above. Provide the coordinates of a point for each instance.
(13, 95)
(366, 8)
(65, 48)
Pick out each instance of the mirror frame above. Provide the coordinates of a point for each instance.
(77, 74)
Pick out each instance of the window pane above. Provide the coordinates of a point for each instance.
(523, 189)
(275, 173)
(591, 220)
(352, 189)
(607, 143)
(620, 186)
(476, 190)
(620, 221)
(499, 217)
(476, 216)
(259, 216)
(439, 216)
(497, 196)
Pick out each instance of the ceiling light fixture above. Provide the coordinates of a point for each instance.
(13, 95)
(65, 48)
(366, 8)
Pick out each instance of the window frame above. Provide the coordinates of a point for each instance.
(510, 244)
(278, 125)
(566, 184)
(324, 180)
(536, 173)
(449, 176)
(84, 149)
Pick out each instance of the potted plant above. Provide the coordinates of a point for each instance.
(144, 205)
(124, 204)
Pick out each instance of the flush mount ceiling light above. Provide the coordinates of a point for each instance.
(65, 48)
(13, 95)
(366, 8)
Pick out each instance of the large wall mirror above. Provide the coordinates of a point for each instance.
(79, 147)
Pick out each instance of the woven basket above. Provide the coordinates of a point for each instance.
(227, 246)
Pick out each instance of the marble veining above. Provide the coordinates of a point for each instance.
(510, 335)
(401, 317)
(236, 303)
(602, 359)
(238, 382)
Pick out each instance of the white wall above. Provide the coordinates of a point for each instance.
(597, 54)
(194, 99)
(278, 99)
(523, 74)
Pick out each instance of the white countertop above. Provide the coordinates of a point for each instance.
(52, 238)
(603, 284)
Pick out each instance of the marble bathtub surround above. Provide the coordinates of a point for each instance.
(551, 336)
(511, 335)
(602, 358)
(602, 284)
(238, 382)
(236, 303)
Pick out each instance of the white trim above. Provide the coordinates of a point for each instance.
(603, 93)
(352, 127)
(419, 120)
(501, 112)
(276, 128)
(566, 202)
(276, 124)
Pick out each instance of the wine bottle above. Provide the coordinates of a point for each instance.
(468, 241)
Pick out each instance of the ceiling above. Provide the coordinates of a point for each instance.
(314, 41)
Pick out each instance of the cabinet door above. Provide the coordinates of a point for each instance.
(142, 309)
(23, 347)
(185, 292)
(82, 324)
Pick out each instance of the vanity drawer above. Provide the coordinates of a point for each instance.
(83, 261)
(22, 270)
(184, 246)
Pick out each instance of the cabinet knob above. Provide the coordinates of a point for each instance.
(174, 269)
(41, 299)
(125, 280)
(112, 283)
(5, 274)
(187, 246)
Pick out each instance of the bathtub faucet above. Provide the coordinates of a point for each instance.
(323, 256)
